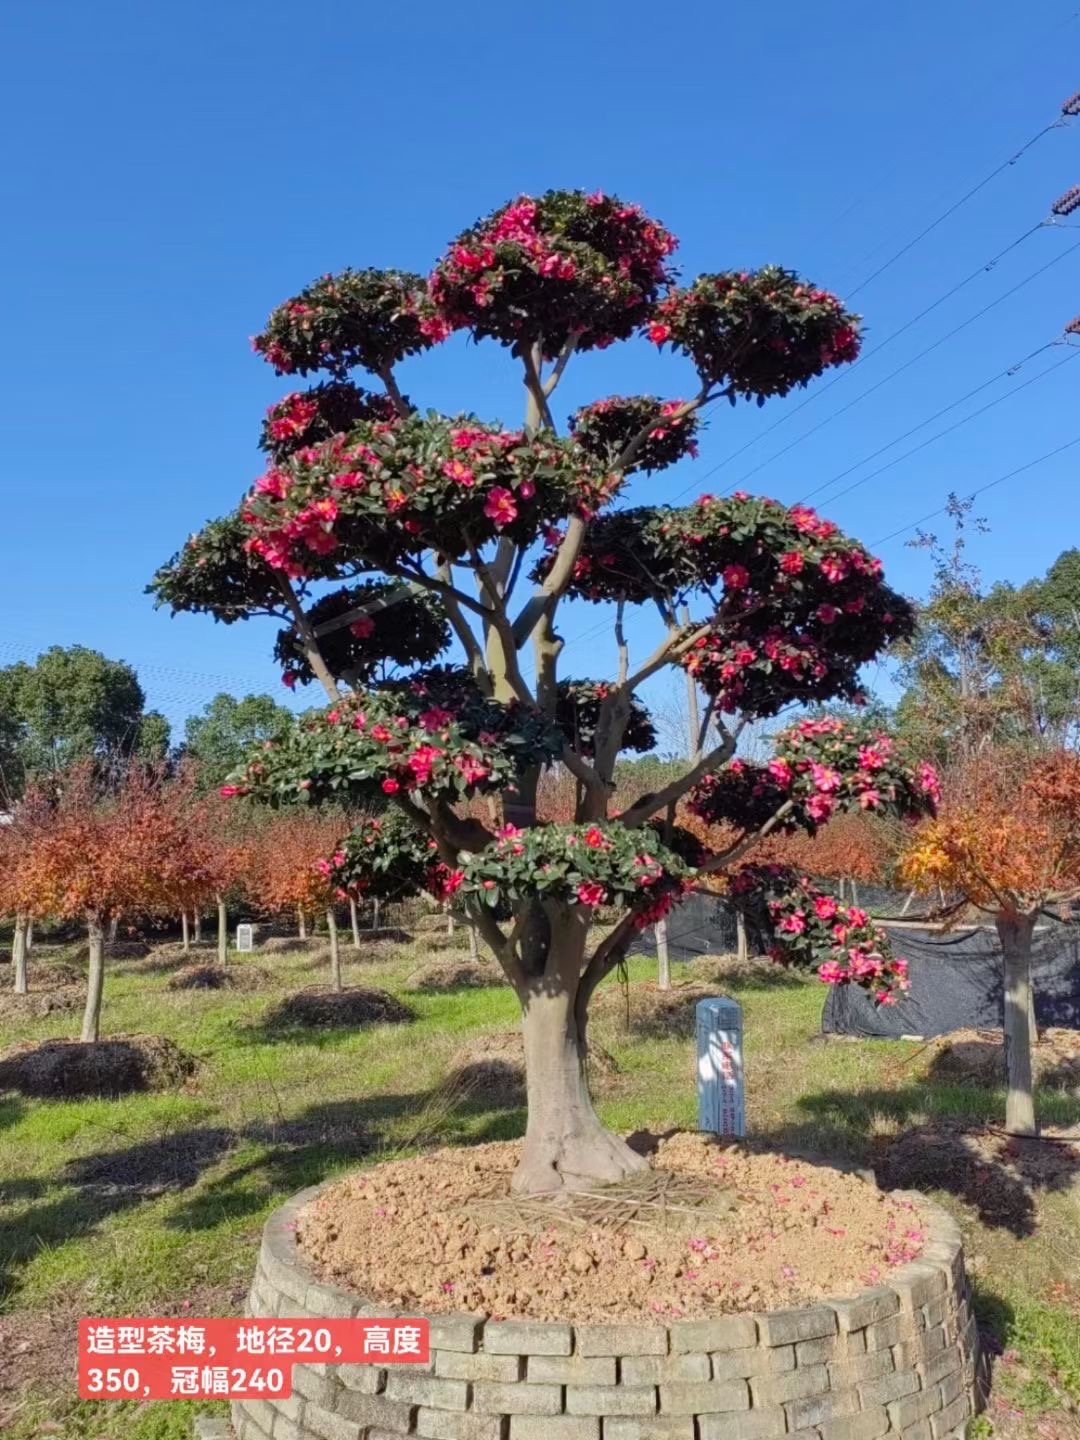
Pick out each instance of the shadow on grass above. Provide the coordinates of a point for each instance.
(269, 1162)
(950, 1148)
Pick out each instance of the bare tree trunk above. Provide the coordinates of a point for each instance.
(198, 928)
(354, 920)
(742, 949)
(375, 914)
(301, 920)
(95, 984)
(30, 935)
(474, 949)
(18, 954)
(185, 938)
(222, 931)
(854, 891)
(335, 951)
(663, 956)
(907, 902)
(566, 1146)
(114, 926)
(1015, 932)
(449, 923)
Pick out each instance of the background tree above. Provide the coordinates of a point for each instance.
(782, 608)
(292, 862)
(74, 704)
(218, 739)
(1007, 841)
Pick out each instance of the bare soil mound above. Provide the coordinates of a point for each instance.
(644, 1009)
(51, 974)
(710, 1228)
(978, 1056)
(117, 950)
(440, 975)
(123, 1063)
(61, 1000)
(755, 970)
(493, 1069)
(337, 1009)
(289, 945)
(219, 977)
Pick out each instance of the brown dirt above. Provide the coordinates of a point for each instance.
(116, 1066)
(117, 950)
(493, 1069)
(716, 970)
(440, 975)
(978, 1056)
(219, 977)
(756, 1231)
(328, 1009)
(41, 1002)
(655, 1013)
(51, 974)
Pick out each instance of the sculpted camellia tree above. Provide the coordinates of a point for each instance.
(455, 512)
(1007, 841)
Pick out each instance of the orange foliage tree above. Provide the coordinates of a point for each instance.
(1007, 840)
(103, 853)
(17, 899)
(290, 870)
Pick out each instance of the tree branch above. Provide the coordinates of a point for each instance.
(531, 360)
(306, 635)
(386, 375)
(648, 805)
(561, 362)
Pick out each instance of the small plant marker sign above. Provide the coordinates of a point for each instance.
(245, 938)
(721, 1097)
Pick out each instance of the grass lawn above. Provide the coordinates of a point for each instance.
(153, 1204)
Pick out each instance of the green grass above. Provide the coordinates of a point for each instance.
(154, 1202)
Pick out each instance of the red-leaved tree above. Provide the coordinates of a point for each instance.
(498, 528)
(291, 863)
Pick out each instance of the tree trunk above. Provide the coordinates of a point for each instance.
(742, 949)
(198, 928)
(449, 923)
(114, 926)
(91, 1025)
(185, 938)
(1015, 932)
(854, 891)
(566, 1146)
(375, 914)
(354, 920)
(663, 956)
(30, 935)
(335, 951)
(222, 931)
(474, 949)
(301, 920)
(18, 954)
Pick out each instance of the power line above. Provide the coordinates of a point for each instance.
(944, 509)
(908, 363)
(1008, 395)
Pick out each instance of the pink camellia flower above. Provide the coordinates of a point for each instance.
(736, 577)
(781, 771)
(590, 893)
(856, 916)
(228, 791)
(435, 718)
(820, 807)
(870, 758)
(869, 799)
(827, 614)
(926, 778)
(793, 924)
(390, 786)
(499, 506)
(832, 973)
(289, 679)
(824, 907)
(791, 562)
(526, 490)
(834, 568)
(472, 769)
(658, 332)
(826, 780)
(333, 717)
(362, 627)
(459, 473)
(595, 838)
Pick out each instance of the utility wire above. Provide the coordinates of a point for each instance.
(944, 509)
(1008, 395)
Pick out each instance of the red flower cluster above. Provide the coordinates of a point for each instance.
(757, 333)
(307, 417)
(564, 265)
(606, 428)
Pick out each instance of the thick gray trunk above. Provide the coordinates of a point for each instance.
(95, 984)
(19, 948)
(185, 938)
(742, 949)
(222, 931)
(1015, 934)
(663, 956)
(354, 921)
(335, 950)
(566, 1146)
(302, 924)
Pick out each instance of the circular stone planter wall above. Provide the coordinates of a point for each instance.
(899, 1359)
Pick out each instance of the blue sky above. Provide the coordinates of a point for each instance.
(171, 173)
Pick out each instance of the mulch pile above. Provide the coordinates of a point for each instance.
(709, 1228)
(63, 1068)
(219, 977)
(492, 1070)
(332, 1009)
(440, 975)
(978, 1056)
(61, 1000)
(642, 1008)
